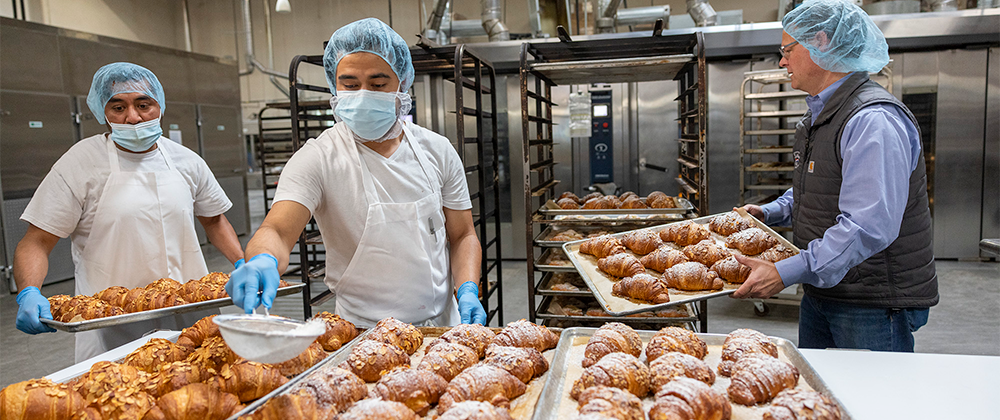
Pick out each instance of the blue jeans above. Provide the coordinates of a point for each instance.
(827, 324)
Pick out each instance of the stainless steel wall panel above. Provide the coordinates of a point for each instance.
(562, 150)
(172, 70)
(37, 130)
(29, 69)
(221, 140)
(185, 117)
(60, 259)
(238, 215)
(88, 125)
(959, 153)
(991, 166)
(724, 81)
(214, 83)
(82, 57)
(657, 136)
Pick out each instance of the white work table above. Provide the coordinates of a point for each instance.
(911, 386)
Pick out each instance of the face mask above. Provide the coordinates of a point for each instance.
(138, 137)
(370, 115)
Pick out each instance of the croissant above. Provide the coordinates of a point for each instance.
(619, 370)
(305, 360)
(602, 203)
(776, 253)
(196, 401)
(610, 402)
(729, 223)
(155, 352)
(612, 337)
(642, 241)
(675, 339)
(165, 285)
(741, 343)
(86, 307)
(475, 410)
(665, 202)
(173, 376)
(663, 258)
(124, 403)
(370, 359)
(200, 291)
(40, 399)
(625, 195)
(568, 204)
(482, 383)
(248, 380)
(215, 278)
(339, 331)
(56, 304)
(587, 197)
(692, 276)
(633, 202)
(642, 286)
(526, 334)
(706, 252)
(416, 388)
(602, 246)
(759, 378)
(801, 404)
(448, 359)
(192, 337)
(525, 363)
(473, 336)
(333, 390)
(378, 409)
(676, 365)
(392, 331)
(114, 295)
(731, 270)
(686, 398)
(685, 233)
(213, 354)
(153, 298)
(620, 265)
(751, 241)
(292, 406)
(569, 195)
(106, 376)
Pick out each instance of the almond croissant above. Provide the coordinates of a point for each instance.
(393, 331)
(685, 233)
(642, 241)
(729, 223)
(192, 337)
(743, 342)
(448, 359)
(602, 246)
(691, 276)
(305, 360)
(751, 241)
(155, 352)
(292, 406)
(659, 200)
(642, 286)
(706, 252)
(731, 270)
(686, 398)
(677, 339)
(525, 363)
(663, 258)
(416, 388)
(124, 403)
(801, 404)
(114, 295)
(776, 253)
(213, 354)
(378, 409)
(610, 403)
(173, 376)
(40, 399)
(759, 378)
(567, 204)
(370, 359)
(333, 389)
(675, 365)
(248, 380)
(620, 265)
(633, 203)
(526, 334)
(339, 331)
(482, 382)
(610, 338)
(196, 401)
(106, 376)
(475, 410)
(619, 370)
(473, 336)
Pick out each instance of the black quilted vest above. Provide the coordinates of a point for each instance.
(902, 275)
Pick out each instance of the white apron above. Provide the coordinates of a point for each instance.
(401, 267)
(143, 230)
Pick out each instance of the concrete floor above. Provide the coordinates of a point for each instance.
(966, 321)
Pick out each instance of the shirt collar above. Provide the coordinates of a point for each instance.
(816, 103)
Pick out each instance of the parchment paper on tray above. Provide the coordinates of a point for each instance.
(601, 284)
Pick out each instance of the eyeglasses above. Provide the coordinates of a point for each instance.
(784, 48)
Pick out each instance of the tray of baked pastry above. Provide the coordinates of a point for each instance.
(399, 371)
(166, 375)
(629, 203)
(118, 305)
(675, 373)
(566, 308)
(554, 236)
(676, 263)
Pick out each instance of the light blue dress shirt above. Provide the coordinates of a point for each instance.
(880, 149)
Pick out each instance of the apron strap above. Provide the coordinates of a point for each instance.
(369, 182)
(116, 165)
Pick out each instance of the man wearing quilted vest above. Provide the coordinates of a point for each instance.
(858, 202)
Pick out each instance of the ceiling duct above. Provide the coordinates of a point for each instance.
(702, 13)
(434, 21)
(938, 5)
(492, 21)
(642, 15)
(606, 16)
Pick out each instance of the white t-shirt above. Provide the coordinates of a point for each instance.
(325, 179)
(66, 201)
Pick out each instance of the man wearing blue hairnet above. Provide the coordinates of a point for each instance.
(127, 199)
(858, 202)
(390, 199)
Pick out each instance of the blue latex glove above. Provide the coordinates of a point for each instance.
(239, 263)
(260, 274)
(31, 307)
(469, 307)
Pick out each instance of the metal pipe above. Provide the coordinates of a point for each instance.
(938, 5)
(493, 20)
(270, 49)
(187, 27)
(611, 8)
(465, 28)
(434, 22)
(642, 15)
(702, 13)
(535, 18)
(606, 15)
(251, 61)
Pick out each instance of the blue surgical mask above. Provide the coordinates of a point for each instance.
(369, 114)
(136, 137)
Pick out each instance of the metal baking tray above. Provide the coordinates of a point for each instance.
(600, 284)
(116, 355)
(541, 266)
(521, 408)
(111, 321)
(544, 313)
(544, 288)
(564, 369)
(552, 229)
(551, 208)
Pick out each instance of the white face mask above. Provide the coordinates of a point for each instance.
(136, 137)
(371, 116)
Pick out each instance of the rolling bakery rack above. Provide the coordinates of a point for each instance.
(547, 64)
(476, 143)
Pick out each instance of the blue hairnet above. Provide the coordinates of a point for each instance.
(373, 36)
(854, 42)
(116, 78)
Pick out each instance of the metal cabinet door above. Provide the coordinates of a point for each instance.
(222, 140)
(87, 124)
(180, 124)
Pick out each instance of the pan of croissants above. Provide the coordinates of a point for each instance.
(674, 373)
(195, 377)
(676, 263)
(656, 202)
(83, 312)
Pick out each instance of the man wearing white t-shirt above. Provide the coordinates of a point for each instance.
(390, 199)
(127, 199)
